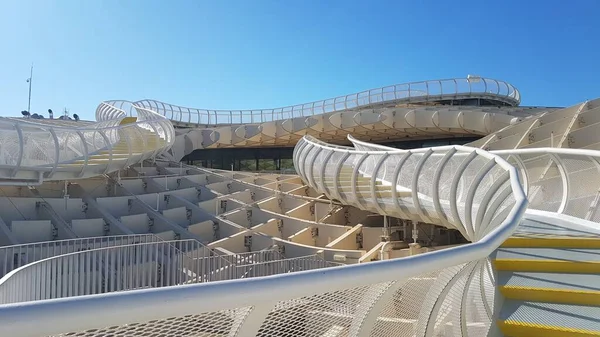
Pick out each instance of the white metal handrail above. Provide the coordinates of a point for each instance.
(433, 90)
(281, 266)
(559, 180)
(446, 185)
(106, 264)
(15, 256)
(114, 268)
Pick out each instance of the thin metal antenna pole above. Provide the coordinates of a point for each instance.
(30, 80)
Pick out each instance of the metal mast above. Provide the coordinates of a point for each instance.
(29, 80)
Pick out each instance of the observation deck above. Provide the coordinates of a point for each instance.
(419, 110)
(496, 92)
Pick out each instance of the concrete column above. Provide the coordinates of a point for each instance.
(414, 248)
(277, 164)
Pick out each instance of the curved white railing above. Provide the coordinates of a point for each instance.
(16, 256)
(114, 268)
(46, 148)
(457, 187)
(352, 300)
(451, 186)
(107, 264)
(557, 180)
(424, 91)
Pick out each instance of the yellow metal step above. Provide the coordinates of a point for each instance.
(349, 180)
(552, 242)
(525, 329)
(128, 120)
(362, 188)
(563, 296)
(102, 156)
(549, 266)
(382, 194)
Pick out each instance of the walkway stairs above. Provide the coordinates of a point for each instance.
(363, 188)
(66, 151)
(550, 281)
(143, 140)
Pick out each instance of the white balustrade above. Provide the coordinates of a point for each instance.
(435, 90)
(13, 257)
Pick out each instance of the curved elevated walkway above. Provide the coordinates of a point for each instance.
(415, 110)
(33, 151)
(407, 93)
(546, 271)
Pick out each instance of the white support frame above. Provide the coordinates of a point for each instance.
(374, 181)
(415, 185)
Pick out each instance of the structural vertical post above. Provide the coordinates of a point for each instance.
(386, 229)
(415, 232)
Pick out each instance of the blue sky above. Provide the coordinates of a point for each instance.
(265, 54)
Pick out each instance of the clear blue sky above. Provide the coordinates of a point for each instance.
(263, 54)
